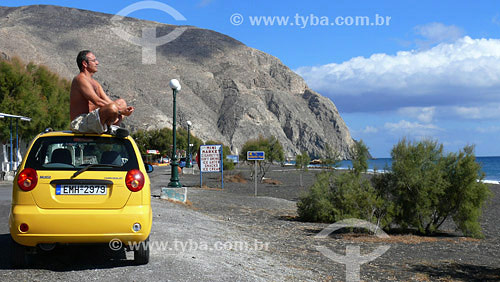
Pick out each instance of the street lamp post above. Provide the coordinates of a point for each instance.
(174, 176)
(188, 161)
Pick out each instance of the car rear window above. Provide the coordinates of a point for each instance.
(76, 152)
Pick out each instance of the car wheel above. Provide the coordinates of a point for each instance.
(141, 254)
(17, 255)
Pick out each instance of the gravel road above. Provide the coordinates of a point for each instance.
(187, 245)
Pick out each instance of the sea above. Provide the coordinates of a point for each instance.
(490, 166)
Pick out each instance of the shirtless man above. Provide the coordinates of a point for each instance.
(91, 110)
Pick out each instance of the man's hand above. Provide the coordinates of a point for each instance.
(128, 111)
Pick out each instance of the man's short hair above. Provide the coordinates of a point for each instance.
(82, 56)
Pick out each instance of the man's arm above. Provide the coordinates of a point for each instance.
(102, 94)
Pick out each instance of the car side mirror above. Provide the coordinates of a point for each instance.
(149, 168)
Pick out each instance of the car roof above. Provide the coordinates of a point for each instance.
(70, 133)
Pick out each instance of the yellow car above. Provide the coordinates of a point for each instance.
(81, 188)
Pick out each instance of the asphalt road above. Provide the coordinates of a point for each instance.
(187, 246)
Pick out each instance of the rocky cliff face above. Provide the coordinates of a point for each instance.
(230, 92)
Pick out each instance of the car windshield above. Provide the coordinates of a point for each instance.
(76, 152)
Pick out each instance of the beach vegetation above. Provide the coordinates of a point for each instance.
(272, 149)
(331, 158)
(161, 140)
(301, 162)
(336, 196)
(424, 188)
(428, 186)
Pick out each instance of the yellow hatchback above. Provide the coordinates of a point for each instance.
(81, 188)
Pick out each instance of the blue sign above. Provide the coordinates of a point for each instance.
(256, 156)
(234, 158)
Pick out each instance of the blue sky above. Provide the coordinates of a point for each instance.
(431, 69)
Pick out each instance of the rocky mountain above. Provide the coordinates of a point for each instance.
(230, 92)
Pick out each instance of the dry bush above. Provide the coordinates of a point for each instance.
(235, 178)
(271, 181)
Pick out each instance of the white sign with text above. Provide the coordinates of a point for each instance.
(210, 158)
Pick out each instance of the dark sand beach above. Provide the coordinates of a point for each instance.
(270, 217)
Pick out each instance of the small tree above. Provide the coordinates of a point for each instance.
(465, 195)
(427, 187)
(332, 157)
(33, 91)
(423, 188)
(161, 139)
(337, 196)
(272, 149)
(360, 160)
(301, 163)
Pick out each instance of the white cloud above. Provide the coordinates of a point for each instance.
(462, 73)
(404, 127)
(490, 111)
(370, 129)
(490, 129)
(204, 3)
(437, 33)
(496, 19)
(423, 114)
(468, 112)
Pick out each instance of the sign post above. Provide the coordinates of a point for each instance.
(211, 161)
(255, 156)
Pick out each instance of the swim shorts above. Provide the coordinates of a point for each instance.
(88, 123)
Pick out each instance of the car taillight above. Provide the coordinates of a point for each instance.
(27, 179)
(134, 180)
(24, 227)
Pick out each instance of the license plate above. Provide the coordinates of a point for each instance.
(81, 189)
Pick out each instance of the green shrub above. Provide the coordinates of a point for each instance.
(337, 196)
(465, 196)
(417, 183)
(316, 205)
(423, 189)
(427, 187)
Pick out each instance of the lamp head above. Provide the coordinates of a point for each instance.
(174, 84)
(189, 123)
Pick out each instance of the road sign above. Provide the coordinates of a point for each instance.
(234, 158)
(210, 158)
(211, 161)
(256, 156)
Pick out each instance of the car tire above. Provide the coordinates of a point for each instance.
(18, 257)
(141, 254)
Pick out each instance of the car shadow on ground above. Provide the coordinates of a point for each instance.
(68, 257)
